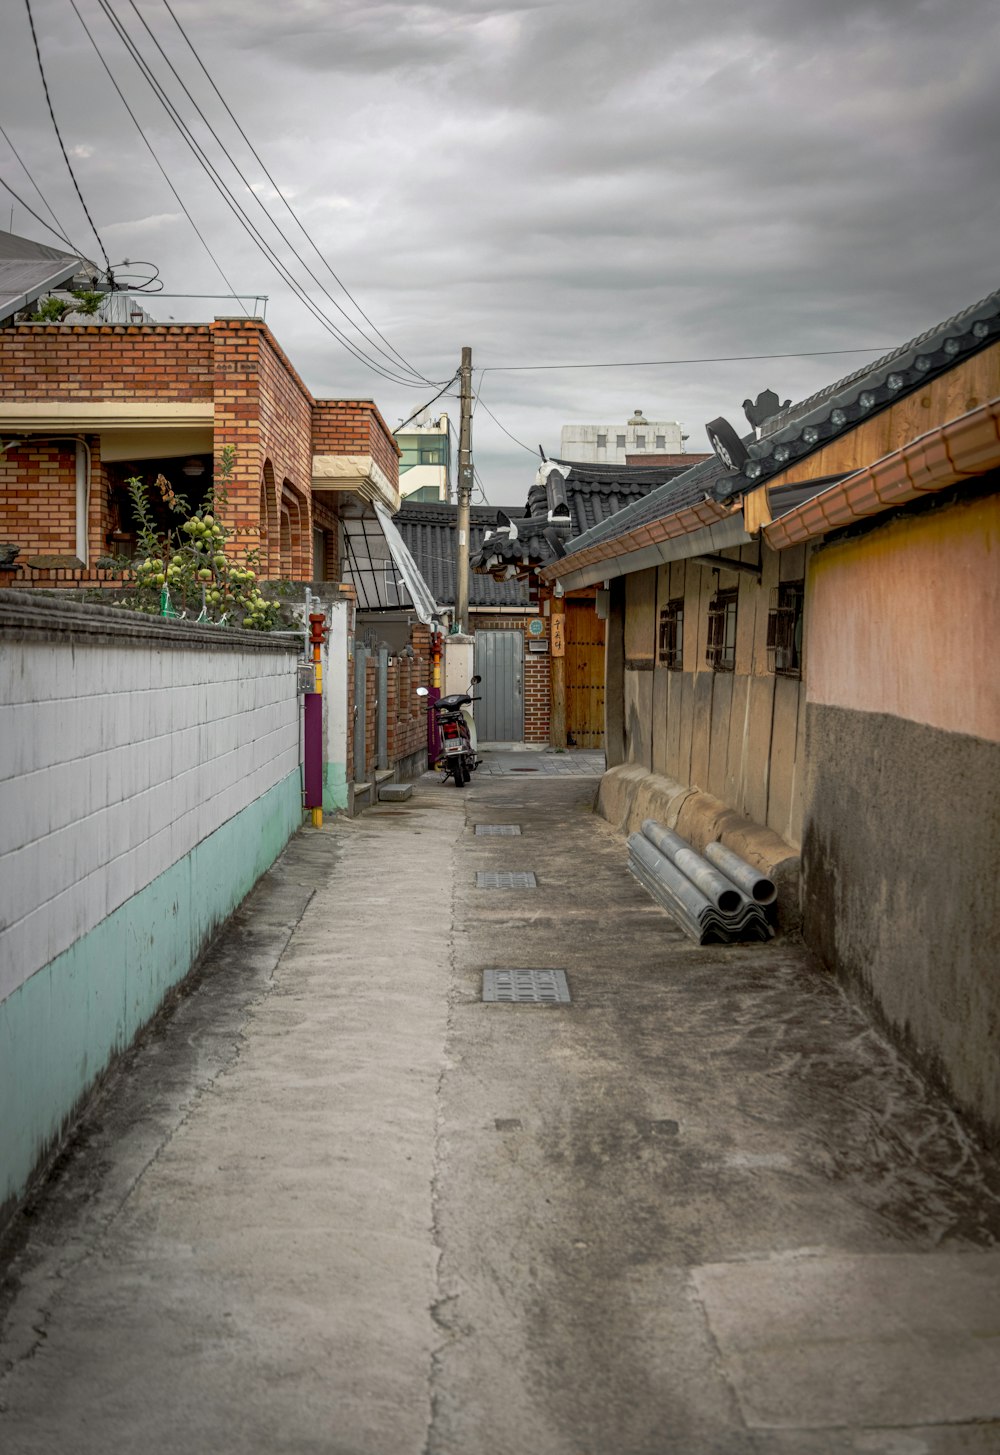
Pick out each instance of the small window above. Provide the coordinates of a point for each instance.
(671, 643)
(640, 441)
(620, 439)
(602, 441)
(784, 629)
(721, 652)
(661, 442)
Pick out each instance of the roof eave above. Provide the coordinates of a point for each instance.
(962, 449)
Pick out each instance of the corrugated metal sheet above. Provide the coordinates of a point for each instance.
(29, 269)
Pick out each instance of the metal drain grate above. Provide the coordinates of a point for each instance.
(527, 987)
(506, 879)
(497, 830)
(524, 770)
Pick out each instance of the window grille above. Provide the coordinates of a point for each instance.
(602, 441)
(671, 641)
(640, 441)
(721, 651)
(621, 441)
(784, 629)
(661, 442)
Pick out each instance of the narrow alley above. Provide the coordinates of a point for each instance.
(334, 1203)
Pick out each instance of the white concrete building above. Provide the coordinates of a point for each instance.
(425, 464)
(609, 444)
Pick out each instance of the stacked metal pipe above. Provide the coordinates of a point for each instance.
(717, 898)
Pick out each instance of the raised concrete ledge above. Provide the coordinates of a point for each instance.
(629, 793)
(30, 615)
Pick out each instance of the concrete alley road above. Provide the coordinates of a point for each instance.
(335, 1204)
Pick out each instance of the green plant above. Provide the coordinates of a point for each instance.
(54, 309)
(86, 300)
(51, 310)
(189, 567)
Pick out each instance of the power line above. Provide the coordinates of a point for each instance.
(661, 363)
(501, 426)
(294, 216)
(59, 230)
(232, 162)
(427, 405)
(62, 144)
(47, 225)
(152, 152)
(232, 203)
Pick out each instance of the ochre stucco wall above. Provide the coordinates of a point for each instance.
(905, 621)
(902, 798)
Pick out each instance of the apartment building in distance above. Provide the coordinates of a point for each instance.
(425, 460)
(617, 444)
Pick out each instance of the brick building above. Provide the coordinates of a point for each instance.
(83, 408)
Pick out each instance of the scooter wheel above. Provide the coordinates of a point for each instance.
(461, 773)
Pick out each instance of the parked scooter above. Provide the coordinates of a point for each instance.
(457, 731)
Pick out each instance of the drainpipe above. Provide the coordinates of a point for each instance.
(83, 476)
(313, 724)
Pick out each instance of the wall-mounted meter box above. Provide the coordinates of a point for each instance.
(538, 647)
(307, 677)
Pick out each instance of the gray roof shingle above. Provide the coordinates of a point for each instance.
(429, 532)
(596, 496)
(802, 428)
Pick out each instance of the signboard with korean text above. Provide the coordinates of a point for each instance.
(557, 630)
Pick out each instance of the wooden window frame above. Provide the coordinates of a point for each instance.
(784, 629)
(723, 609)
(670, 642)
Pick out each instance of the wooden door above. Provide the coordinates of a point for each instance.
(584, 675)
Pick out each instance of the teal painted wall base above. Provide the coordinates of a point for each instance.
(62, 1028)
(334, 787)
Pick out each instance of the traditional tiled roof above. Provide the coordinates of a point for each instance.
(814, 422)
(802, 428)
(566, 500)
(429, 532)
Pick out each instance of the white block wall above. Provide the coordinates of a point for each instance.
(116, 759)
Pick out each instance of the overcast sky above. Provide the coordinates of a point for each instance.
(549, 183)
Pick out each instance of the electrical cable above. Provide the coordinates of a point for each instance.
(294, 216)
(226, 193)
(651, 363)
(59, 229)
(232, 162)
(149, 147)
(504, 427)
(62, 144)
(47, 225)
(427, 405)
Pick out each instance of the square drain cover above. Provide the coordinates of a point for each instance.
(498, 830)
(506, 879)
(529, 987)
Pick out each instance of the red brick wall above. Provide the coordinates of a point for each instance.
(106, 361)
(38, 498)
(355, 427)
(264, 411)
(686, 460)
(261, 408)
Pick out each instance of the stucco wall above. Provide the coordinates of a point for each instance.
(148, 776)
(902, 802)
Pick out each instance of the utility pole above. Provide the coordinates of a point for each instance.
(461, 622)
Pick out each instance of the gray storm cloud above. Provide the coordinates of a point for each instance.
(553, 183)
